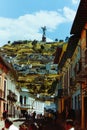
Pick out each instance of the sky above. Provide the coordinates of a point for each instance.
(24, 19)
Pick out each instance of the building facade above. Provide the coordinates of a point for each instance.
(8, 89)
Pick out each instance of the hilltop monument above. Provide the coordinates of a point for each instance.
(44, 34)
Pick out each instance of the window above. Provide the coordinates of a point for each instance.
(0, 82)
(5, 84)
(75, 102)
(79, 100)
(86, 38)
(21, 98)
(86, 57)
(25, 100)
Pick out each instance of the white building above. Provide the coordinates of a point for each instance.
(29, 103)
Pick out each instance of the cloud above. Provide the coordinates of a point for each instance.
(75, 1)
(28, 27)
(69, 14)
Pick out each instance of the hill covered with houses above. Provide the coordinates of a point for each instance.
(34, 63)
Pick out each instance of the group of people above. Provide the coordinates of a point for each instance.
(28, 116)
(8, 124)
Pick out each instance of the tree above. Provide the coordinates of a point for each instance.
(56, 40)
(9, 42)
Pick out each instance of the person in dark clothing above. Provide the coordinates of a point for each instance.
(9, 125)
(63, 115)
(55, 116)
(69, 124)
(26, 115)
(34, 114)
(71, 114)
(32, 127)
(5, 114)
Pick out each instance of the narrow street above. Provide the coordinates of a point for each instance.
(43, 80)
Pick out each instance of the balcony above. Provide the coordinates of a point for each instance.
(81, 68)
(11, 96)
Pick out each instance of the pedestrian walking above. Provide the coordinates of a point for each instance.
(32, 127)
(9, 125)
(69, 125)
(34, 114)
(5, 114)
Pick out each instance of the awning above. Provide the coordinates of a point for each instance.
(22, 108)
(25, 107)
